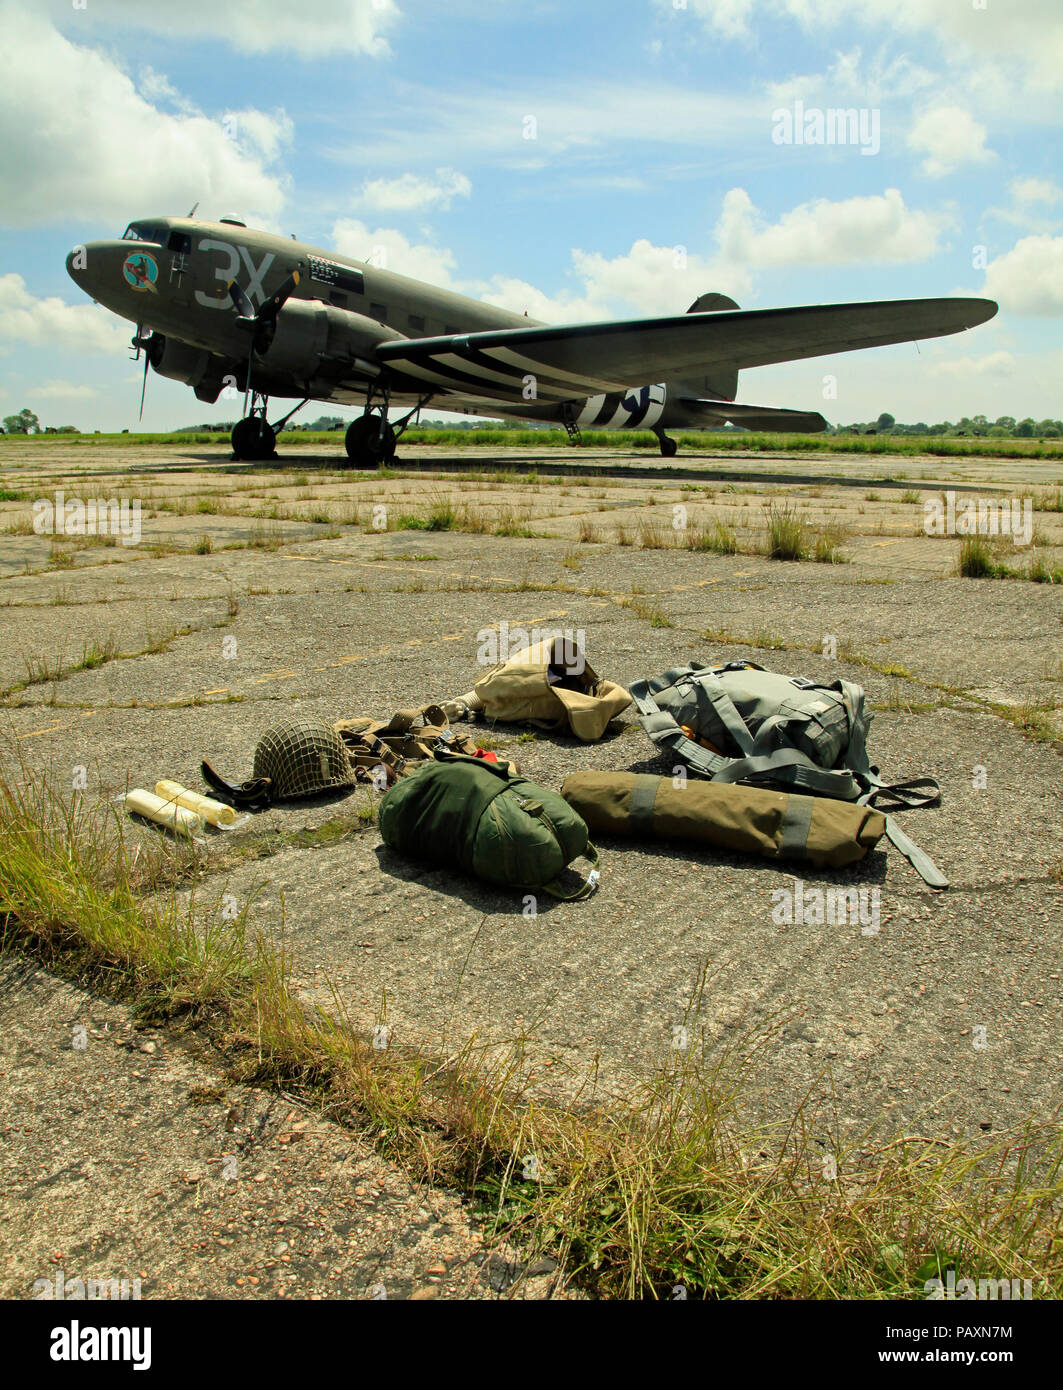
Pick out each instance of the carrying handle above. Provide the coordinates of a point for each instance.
(586, 888)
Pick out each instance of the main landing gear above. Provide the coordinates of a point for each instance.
(370, 440)
(668, 446)
(254, 438)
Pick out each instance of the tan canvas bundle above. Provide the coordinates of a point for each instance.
(549, 684)
(828, 833)
(410, 736)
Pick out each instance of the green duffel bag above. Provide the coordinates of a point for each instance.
(828, 833)
(464, 813)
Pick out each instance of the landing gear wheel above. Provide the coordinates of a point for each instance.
(668, 446)
(253, 439)
(365, 448)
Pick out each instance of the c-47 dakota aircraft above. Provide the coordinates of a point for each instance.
(230, 307)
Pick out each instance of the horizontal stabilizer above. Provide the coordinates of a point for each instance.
(756, 417)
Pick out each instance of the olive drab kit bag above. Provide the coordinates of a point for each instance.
(463, 813)
(738, 722)
(549, 684)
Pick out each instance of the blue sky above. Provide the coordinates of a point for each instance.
(660, 167)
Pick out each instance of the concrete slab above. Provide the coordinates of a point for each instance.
(366, 622)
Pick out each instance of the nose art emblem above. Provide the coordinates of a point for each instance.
(141, 271)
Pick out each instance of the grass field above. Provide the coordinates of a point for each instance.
(689, 440)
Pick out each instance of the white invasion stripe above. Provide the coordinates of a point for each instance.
(658, 396)
(590, 410)
(513, 393)
(457, 388)
(451, 359)
(516, 360)
(415, 369)
(652, 415)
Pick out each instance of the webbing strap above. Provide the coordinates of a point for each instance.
(919, 859)
(665, 732)
(796, 823)
(902, 796)
(643, 795)
(586, 888)
(709, 686)
(795, 768)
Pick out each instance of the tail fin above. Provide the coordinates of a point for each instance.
(722, 384)
(711, 304)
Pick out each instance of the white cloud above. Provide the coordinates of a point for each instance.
(257, 26)
(990, 364)
(53, 323)
(853, 81)
(650, 279)
(409, 192)
(948, 136)
(1033, 190)
(1028, 279)
(868, 229)
(91, 146)
(653, 279)
(1027, 31)
(266, 135)
(391, 250)
(60, 391)
(530, 125)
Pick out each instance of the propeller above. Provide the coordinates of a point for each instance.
(260, 326)
(139, 341)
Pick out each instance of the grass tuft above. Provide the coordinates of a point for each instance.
(787, 537)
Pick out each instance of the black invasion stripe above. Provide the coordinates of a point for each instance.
(638, 415)
(454, 374)
(431, 363)
(476, 358)
(609, 408)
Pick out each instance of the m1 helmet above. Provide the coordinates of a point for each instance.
(302, 757)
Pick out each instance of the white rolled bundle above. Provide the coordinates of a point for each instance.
(165, 812)
(213, 812)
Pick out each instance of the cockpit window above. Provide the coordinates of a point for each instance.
(145, 231)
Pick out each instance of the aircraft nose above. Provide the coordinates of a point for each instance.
(77, 265)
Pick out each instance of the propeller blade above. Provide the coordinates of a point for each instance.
(144, 383)
(275, 302)
(241, 303)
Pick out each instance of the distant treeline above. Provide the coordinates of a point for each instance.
(978, 426)
(970, 427)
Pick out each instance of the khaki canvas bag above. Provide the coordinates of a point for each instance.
(549, 684)
(828, 833)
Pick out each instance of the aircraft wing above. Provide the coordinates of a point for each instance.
(582, 359)
(755, 417)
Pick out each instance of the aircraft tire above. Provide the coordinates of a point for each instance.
(668, 447)
(253, 439)
(365, 448)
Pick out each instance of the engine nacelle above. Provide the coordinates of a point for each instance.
(180, 361)
(309, 333)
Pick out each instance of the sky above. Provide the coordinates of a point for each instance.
(577, 159)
